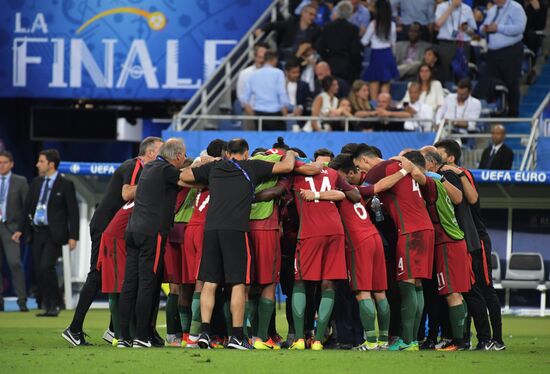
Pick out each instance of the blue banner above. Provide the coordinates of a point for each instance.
(125, 49)
(88, 168)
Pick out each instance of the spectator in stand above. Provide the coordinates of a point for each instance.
(418, 11)
(431, 58)
(409, 54)
(339, 44)
(323, 70)
(431, 90)
(461, 105)
(417, 109)
(293, 32)
(537, 12)
(265, 93)
(344, 110)
(298, 92)
(360, 16)
(386, 112)
(359, 100)
(324, 9)
(381, 36)
(324, 105)
(504, 27)
(456, 24)
(244, 75)
(308, 58)
(497, 156)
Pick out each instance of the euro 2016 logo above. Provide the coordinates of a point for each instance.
(155, 20)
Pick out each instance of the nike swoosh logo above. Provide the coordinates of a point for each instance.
(240, 343)
(77, 341)
(440, 288)
(401, 273)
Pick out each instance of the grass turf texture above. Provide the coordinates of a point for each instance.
(31, 344)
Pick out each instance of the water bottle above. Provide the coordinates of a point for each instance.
(376, 206)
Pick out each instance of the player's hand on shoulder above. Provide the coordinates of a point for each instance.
(307, 195)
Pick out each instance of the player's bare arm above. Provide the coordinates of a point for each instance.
(286, 165)
(312, 168)
(454, 193)
(269, 194)
(469, 191)
(332, 195)
(128, 192)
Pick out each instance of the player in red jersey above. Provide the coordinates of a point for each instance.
(365, 253)
(192, 251)
(453, 271)
(320, 253)
(415, 244)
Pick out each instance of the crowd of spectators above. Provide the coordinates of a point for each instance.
(334, 59)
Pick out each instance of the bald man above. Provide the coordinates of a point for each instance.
(497, 156)
(386, 112)
(323, 70)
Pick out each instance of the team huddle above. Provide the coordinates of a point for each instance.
(403, 235)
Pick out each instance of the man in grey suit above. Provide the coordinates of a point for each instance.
(13, 189)
(409, 54)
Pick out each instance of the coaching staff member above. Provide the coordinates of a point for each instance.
(119, 190)
(146, 233)
(226, 254)
(52, 211)
(13, 190)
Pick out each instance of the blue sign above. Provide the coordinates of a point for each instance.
(125, 49)
(511, 177)
(88, 168)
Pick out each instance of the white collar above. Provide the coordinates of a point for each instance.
(497, 147)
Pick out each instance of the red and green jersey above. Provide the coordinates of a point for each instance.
(201, 208)
(404, 201)
(318, 218)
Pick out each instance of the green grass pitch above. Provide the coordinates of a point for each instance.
(34, 345)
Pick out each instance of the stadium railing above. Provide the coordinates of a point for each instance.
(525, 271)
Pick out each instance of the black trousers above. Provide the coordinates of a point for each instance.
(142, 280)
(437, 312)
(477, 308)
(45, 254)
(91, 286)
(505, 64)
(271, 125)
(488, 291)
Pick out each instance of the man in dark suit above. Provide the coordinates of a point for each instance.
(497, 156)
(13, 190)
(298, 91)
(339, 44)
(323, 70)
(51, 218)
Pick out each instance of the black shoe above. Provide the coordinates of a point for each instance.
(204, 341)
(427, 344)
(498, 346)
(53, 312)
(156, 340)
(485, 345)
(123, 343)
(234, 343)
(75, 338)
(22, 305)
(139, 343)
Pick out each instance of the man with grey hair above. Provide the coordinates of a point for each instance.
(146, 234)
(339, 44)
(121, 189)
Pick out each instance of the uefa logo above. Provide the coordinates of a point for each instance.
(75, 168)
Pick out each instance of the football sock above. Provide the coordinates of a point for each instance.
(456, 315)
(238, 333)
(298, 308)
(227, 317)
(272, 330)
(205, 328)
(325, 311)
(408, 310)
(171, 313)
(195, 314)
(419, 311)
(467, 322)
(383, 319)
(185, 317)
(113, 307)
(368, 315)
(265, 311)
(252, 317)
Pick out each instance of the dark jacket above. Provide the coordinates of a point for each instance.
(339, 45)
(502, 160)
(287, 30)
(304, 97)
(15, 203)
(63, 216)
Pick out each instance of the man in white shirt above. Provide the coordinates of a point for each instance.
(461, 105)
(455, 22)
(418, 110)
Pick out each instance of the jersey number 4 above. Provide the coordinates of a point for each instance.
(416, 187)
(325, 185)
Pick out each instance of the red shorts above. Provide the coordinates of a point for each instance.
(366, 264)
(192, 253)
(320, 258)
(112, 263)
(266, 256)
(452, 265)
(172, 262)
(415, 255)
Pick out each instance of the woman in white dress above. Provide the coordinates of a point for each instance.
(324, 105)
